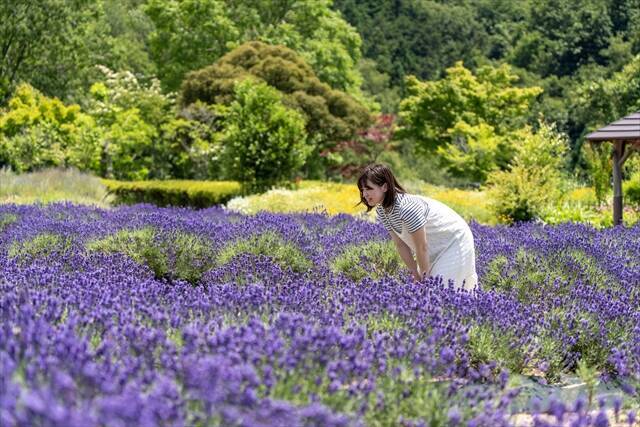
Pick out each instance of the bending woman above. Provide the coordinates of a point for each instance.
(437, 236)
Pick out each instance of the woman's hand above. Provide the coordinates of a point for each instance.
(417, 277)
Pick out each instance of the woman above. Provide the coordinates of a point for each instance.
(438, 237)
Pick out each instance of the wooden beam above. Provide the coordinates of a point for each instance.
(618, 154)
(626, 154)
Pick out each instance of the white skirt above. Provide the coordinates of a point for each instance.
(451, 249)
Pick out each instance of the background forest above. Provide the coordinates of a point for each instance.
(475, 94)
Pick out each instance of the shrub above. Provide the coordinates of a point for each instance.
(197, 194)
(535, 179)
(267, 243)
(265, 143)
(332, 115)
(372, 259)
(131, 115)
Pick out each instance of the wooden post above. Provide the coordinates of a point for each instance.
(618, 153)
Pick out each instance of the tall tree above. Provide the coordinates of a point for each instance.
(190, 34)
(37, 42)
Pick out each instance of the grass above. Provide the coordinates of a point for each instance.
(52, 185)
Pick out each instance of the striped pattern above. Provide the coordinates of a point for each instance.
(408, 209)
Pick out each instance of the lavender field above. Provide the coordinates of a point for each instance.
(147, 316)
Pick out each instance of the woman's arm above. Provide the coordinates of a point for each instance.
(420, 242)
(406, 255)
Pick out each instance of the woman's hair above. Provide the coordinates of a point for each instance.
(380, 175)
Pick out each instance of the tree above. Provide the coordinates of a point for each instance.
(30, 50)
(188, 35)
(265, 142)
(193, 33)
(349, 157)
(131, 115)
(562, 36)
(37, 131)
(466, 118)
(331, 115)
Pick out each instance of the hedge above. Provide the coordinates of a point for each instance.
(197, 194)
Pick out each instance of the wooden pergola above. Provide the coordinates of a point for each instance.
(625, 136)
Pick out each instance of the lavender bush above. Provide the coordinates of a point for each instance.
(148, 316)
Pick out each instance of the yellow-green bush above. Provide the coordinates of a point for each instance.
(197, 194)
(631, 189)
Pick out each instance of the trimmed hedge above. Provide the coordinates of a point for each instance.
(197, 194)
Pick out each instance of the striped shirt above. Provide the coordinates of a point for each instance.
(406, 208)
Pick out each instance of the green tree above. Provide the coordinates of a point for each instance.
(188, 35)
(191, 143)
(331, 115)
(131, 115)
(265, 143)
(466, 118)
(38, 43)
(562, 36)
(193, 33)
(417, 37)
(37, 131)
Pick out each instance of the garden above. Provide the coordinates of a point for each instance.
(181, 238)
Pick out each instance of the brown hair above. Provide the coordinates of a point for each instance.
(380, 174)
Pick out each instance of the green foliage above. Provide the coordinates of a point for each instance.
(561, 37)
(191, 34)
(475, 152)
(140, 245)
(131, 115)
(534, 181)
(192, 143)
(607, 99)
(7, 219)
(177, 255)
(599, 164)
(589, 375)
(421, 38)
(37, 131)
(631, 190)
(32, 52)
(267, 243)
(372, 259)
(197, 194)
(468, 119)
(486, 344)
(188, 35)
(265, 143)
(40, 246)
(331, 115)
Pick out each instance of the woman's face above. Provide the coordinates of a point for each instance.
(374, 194)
